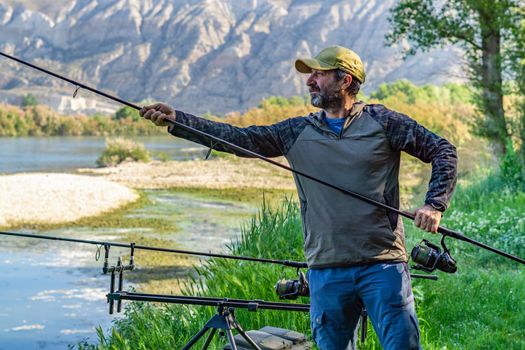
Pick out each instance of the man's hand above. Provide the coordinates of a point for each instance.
(427, 218)
(160, 114)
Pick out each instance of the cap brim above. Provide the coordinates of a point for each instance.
(305, 65)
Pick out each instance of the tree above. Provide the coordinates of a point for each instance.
(127, 113)
(29, 101)
(489, 32)
(519, 68)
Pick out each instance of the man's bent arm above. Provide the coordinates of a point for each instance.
(405, 134)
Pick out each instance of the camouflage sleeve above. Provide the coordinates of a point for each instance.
(269, 141)
(405, 134)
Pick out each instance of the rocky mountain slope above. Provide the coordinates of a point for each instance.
(198, 55)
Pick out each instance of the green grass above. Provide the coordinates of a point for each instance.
(148, 327)
(254, 196)
(482, 306)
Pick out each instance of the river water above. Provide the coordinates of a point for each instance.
(54, 154)
(53, 293)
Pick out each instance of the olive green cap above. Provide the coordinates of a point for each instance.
(334, 57)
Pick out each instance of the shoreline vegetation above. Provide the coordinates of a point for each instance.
(444, 109)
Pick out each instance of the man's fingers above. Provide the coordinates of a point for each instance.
(424, 221)
(428, 223)
(145, 109)
(431, 224)
(427, 218)
(149, 114)
(160, 114)
(160, 120)
(156, 117)
(417, 219)
(435, 226)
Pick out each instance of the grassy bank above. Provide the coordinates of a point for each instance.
(480, 307)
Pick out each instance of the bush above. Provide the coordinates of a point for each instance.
(127, 113)
(120, 149)
(29, 101)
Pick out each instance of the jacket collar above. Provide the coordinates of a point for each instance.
(317, 118)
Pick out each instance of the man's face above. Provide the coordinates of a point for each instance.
(325, 90)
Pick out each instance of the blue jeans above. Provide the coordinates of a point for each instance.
(337, 296)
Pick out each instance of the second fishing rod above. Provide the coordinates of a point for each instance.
(444, 231)
(133, 246)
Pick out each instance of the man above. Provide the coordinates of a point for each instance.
(355, 250)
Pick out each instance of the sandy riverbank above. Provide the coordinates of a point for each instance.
(58, 198)
(216, 173)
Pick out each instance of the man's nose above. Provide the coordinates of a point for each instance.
(310, 80)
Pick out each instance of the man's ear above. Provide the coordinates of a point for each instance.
(347, 81)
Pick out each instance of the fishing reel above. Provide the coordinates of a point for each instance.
(291, 289)
(429, 257)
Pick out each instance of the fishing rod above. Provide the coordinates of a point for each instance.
(444, 231)
(224, 320)
(251, 305)
(133, 246)
(296, 264)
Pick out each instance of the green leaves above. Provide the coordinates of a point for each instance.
(29, 101)
(426, 25)
(127, 113)
(491, 33)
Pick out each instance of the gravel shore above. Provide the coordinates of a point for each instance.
(215, 173)
(58, 198)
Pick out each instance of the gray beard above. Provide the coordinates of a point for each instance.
(326, 102)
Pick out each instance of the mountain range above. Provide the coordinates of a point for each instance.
(198, 55)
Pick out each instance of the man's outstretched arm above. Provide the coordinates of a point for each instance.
(265, 140)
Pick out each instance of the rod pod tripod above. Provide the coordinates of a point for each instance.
(224, 320)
